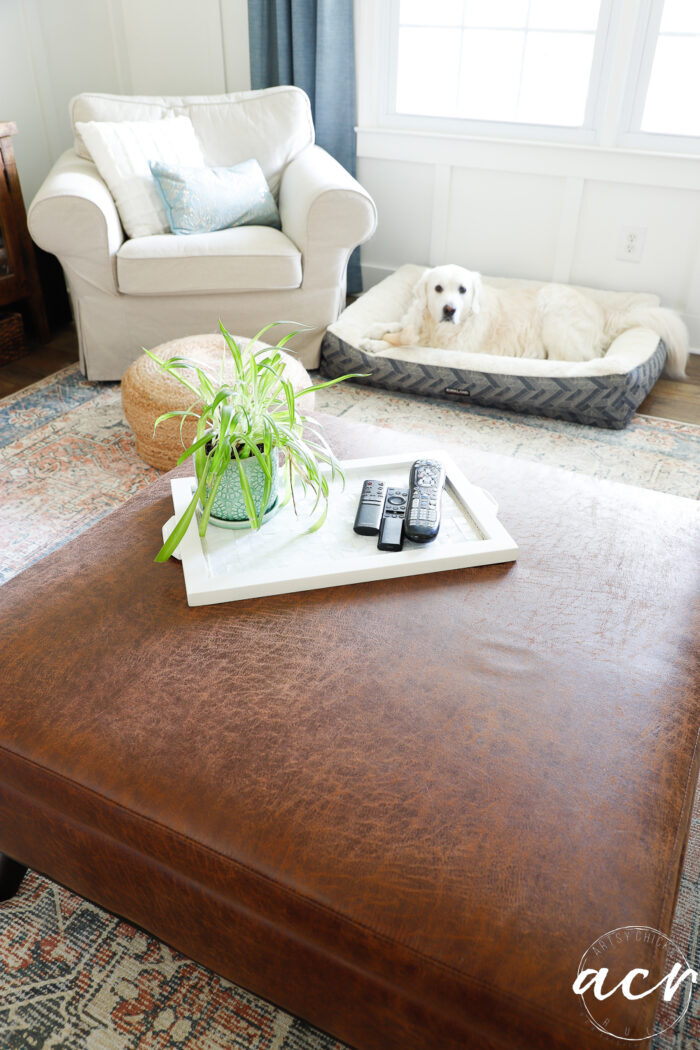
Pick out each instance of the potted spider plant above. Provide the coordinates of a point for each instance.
(250, 436)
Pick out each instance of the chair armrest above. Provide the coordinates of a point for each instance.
(74, 217)
(324, 210)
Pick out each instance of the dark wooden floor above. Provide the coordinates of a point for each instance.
(668, 399)
(40, 361)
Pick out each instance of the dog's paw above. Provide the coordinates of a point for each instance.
(374, 345)
(377, 331)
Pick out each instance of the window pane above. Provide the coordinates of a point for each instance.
(672, 106)
(435, 13)
(428, 70)
(556, 71)
(491, 60)
(502, 14)
(681, 16)
(572, 14)
(499, 67)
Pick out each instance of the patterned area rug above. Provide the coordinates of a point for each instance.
(67, 458)
(653, 453)
(74, 977)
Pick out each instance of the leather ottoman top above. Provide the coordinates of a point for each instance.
(453, 782)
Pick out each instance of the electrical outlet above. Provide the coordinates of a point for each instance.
(630, 243)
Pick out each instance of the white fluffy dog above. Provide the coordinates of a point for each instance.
(453, 310)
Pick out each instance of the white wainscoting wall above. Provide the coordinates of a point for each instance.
(522, 209)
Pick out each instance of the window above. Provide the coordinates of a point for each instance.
(522, 62)
(603, 72)
(668, 77)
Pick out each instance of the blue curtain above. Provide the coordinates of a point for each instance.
(310, 43)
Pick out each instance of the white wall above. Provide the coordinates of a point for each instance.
(544, 211)
(54, 49)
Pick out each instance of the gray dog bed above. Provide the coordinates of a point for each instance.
(603, 392)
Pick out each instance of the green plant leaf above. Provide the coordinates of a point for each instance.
(265, 328)
(319, 522)
(211, 496)
(169, 415)
(200, 457)
(247, 494)
(302, 328)
(270, 369)
(289, 395)
(206, 386)
(254, 414)
(331, 382)
(194, 448)
(167, 366)
(183, 524)
(221, 456)
(268, 472)
(265, 464)
(234, 349)
(275, 432)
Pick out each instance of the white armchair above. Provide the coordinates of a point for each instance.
(129, 293)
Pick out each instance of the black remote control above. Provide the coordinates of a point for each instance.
(392, 523)
(369, 511)
(425, 486)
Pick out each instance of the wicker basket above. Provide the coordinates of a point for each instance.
(11, 337)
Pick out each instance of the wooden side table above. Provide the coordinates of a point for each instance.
(19, 278)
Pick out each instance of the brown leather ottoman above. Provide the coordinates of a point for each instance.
(402, 810)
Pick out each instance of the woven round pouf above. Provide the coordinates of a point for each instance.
(148, 392)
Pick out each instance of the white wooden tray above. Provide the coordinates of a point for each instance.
(229, 565)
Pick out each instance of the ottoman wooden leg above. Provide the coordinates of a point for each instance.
(11, 875)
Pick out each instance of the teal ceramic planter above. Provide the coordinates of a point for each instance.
(229, 505)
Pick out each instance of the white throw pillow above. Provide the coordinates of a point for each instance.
(123, 152)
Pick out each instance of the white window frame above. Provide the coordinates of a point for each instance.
(639, 75)
(586, 134)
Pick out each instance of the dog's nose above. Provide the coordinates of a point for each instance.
(448, 310)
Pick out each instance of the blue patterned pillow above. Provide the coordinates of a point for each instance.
(201, 200)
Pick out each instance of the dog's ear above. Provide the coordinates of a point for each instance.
(476, 292)
(413, 318)
(421, 290)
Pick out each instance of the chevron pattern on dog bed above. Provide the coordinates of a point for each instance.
(601, 401)
(604, 392)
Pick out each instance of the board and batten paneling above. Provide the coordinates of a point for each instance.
(539, 225)
(397, 236)
(671, 218)
(54, 49)
(494, 215)
(173, 47)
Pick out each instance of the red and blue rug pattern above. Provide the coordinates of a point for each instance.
(74, 977)
(67, 458)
